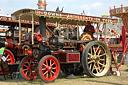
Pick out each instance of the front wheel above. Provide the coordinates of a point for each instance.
(96, 59)
(48, 68)
(28, 68)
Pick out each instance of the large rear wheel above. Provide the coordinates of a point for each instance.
(96, 59)
(28, 68)
(48, 68)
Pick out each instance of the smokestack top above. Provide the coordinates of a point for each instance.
(42, 4)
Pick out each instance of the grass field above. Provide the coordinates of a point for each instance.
(107, 80)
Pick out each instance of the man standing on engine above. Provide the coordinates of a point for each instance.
(89, 28)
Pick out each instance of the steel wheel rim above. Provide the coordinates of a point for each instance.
(98, 59)
(50, 69)
(9, 56)
(29, 68)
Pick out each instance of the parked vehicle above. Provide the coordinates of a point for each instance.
(71, 55)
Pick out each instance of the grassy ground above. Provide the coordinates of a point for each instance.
(107, 80)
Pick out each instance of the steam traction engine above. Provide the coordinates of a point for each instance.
(50, 54)
(13, 50)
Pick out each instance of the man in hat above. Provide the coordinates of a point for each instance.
(89, 28)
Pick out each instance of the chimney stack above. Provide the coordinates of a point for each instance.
(42, 4)
(42, 20)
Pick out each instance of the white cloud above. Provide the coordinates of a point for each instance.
(97, 4)
(91, 6)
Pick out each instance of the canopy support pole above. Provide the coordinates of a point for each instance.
(97, 31)
(19, 30)
(32, 29)
(77, 32)
(67, 33)
(105, 32)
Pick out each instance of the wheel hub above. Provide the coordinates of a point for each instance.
(30, 68)
(96, 58)
(49, 68)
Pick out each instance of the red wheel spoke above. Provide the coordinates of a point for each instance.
(30, 73)
(31, 62)
(54, 68)
(50, 74)
(46, 62)
(28, 63)
(50, 62)
(7, 56)
(53, 72)
(25, 66)
(8, 59)
(45, 65)
(46, 72)
(43, 69)
(25, 69)
(26, 72)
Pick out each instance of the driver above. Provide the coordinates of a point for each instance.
(89, 28)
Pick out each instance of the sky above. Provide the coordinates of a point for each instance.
(91, 7)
